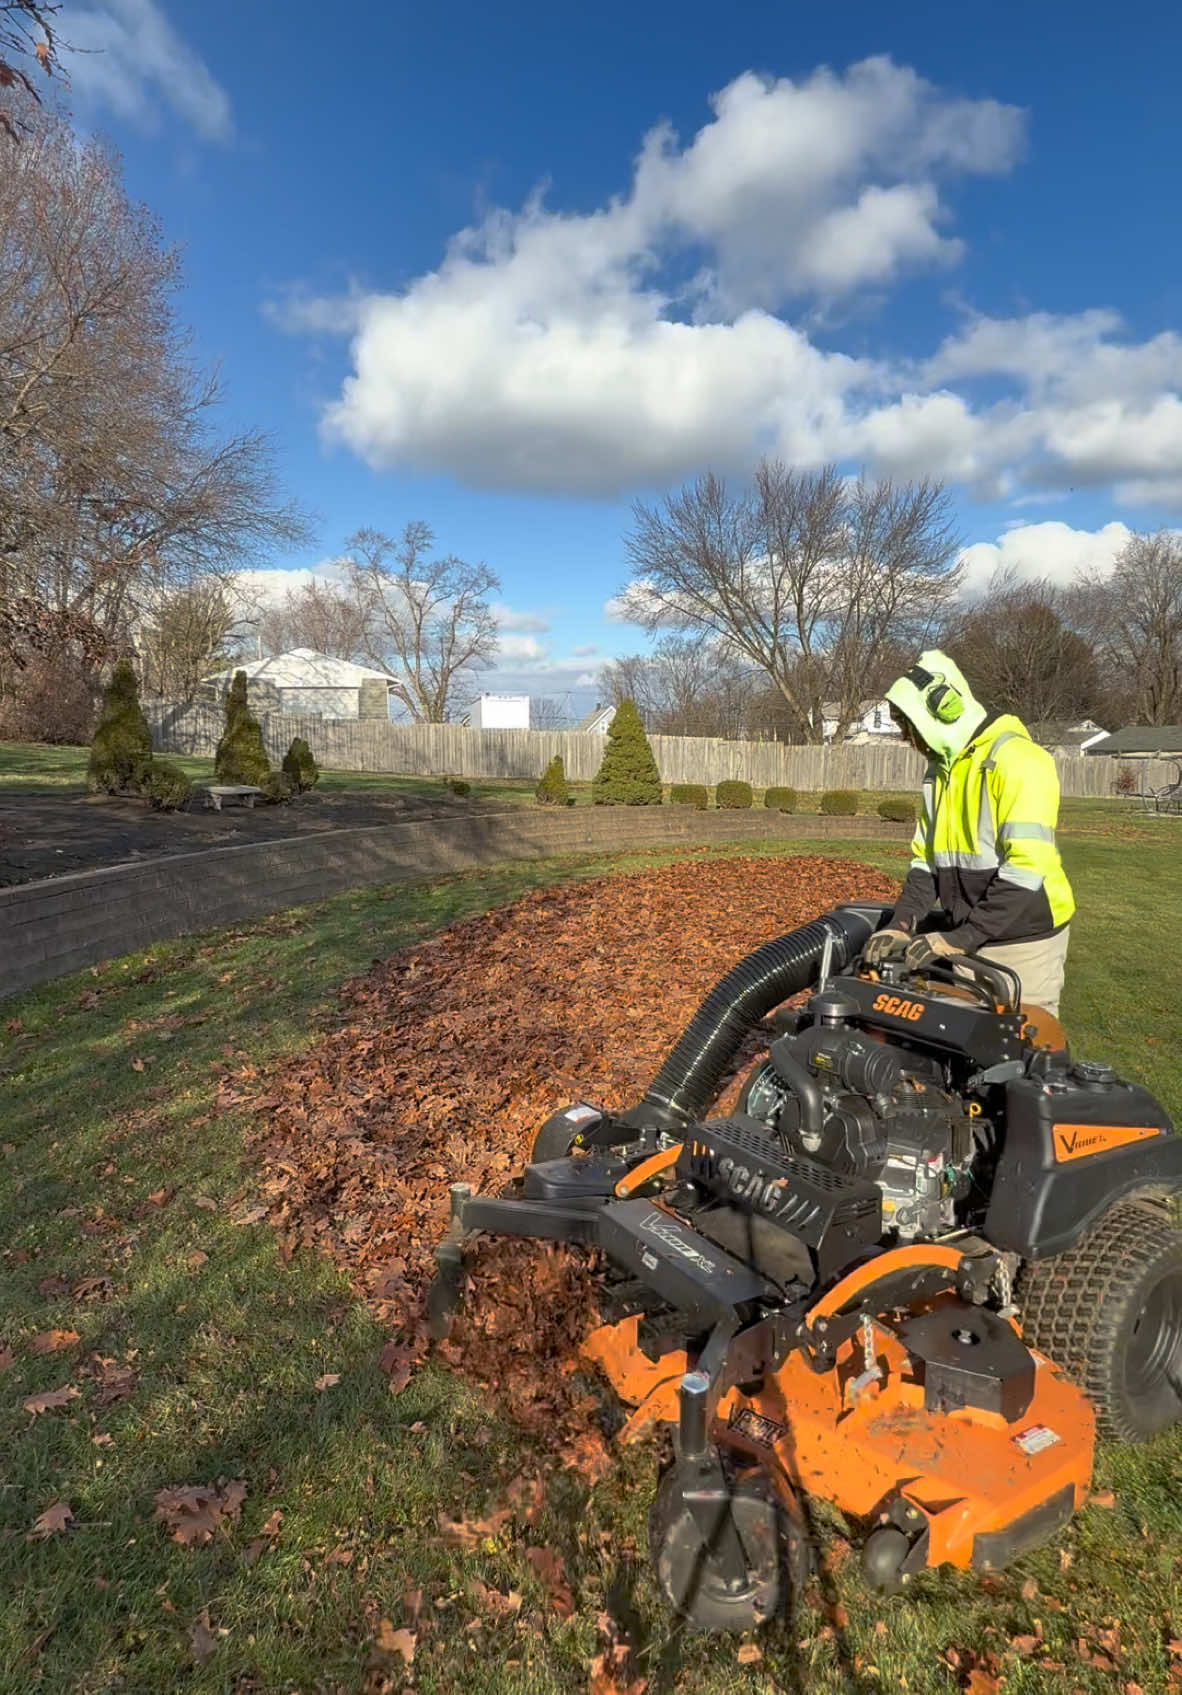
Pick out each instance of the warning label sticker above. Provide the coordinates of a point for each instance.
(1035, 1438)
(757, 1428)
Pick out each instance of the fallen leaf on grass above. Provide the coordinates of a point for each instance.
(327, 1381)
(202, 1641)
(116, 1383)
(605, 1679)
(192, 1514)
(52, 1521)
(748, 1653)
(254, 1216)
(137, 1064)
(6, 1358)
(399, 1362)
(1104, 1499)
(983, 1683)
(471, 1532)
(392, 1641)
(551, 1573)
(196, 1259)
(53, 1341)
(158, 1197)
(53, 1286)
(204, 1202)
(51, 1399)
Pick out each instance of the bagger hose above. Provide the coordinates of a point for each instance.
(689, 1079)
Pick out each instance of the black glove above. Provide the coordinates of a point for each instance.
(884, 945)
(936, 945)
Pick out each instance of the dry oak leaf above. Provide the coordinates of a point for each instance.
(52, 1521)
(748, 1653)
(327, 1381)
(53, 1341)
(392, 1641)
(202, 1641)
(192, 1514)
(51, 1399)
(551, 1572)
(983, 1683)
(605, 1680)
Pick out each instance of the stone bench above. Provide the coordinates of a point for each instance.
(238, 794)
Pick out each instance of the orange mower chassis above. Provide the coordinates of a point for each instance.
(971, 1489)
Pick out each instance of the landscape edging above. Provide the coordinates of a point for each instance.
(57, 925)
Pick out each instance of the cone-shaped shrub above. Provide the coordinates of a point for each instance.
(122, 746)
(552, 789)
(628, 775)
(299, 766)
(241, 757)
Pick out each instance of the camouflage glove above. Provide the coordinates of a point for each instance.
(927, 950)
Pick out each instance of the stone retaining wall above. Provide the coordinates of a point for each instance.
(61, 924)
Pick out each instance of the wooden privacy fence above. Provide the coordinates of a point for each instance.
(435, 750)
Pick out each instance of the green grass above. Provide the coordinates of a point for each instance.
(113, 1164)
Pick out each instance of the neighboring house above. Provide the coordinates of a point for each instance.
(1142, 741)
(498, 712)
(596, 722)
(1067, 738)
(872, 724)
(310, 685)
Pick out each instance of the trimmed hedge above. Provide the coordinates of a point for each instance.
(122, 747)
(552, 789)
(628, 775)
(897, 810)
(164, 786)
(840, 803)
(300, 767)
(780, 800)
(733, 795)
(690, 794)
(277, 787)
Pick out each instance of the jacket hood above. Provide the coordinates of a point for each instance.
(912, 695)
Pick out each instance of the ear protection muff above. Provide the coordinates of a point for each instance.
(945, 703)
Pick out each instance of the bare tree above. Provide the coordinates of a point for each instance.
(428, 620)
(1021, 656)
(327, 617)
(812, 579)
(114, 483)
(689, 685)
(185, 638)
(1134, 620)
(548, 712)
(26, 33)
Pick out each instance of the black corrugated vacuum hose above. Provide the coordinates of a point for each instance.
(689, 1079)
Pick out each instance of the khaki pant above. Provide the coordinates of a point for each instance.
(1041, 966)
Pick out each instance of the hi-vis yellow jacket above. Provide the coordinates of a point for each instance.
(984, 847)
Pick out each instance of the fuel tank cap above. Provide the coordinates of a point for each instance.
(1093, 1073)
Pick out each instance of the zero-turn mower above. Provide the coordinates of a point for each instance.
(923, 1260)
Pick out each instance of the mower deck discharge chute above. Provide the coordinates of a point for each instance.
(925, 1257)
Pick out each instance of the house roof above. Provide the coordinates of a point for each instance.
(1055, 734)
(1142, 738)
(304, 668)
(596, 717)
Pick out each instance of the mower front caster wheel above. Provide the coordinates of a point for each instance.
(689, 1572)
(1109, 1313)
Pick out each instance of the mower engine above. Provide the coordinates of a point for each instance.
(820, 1292)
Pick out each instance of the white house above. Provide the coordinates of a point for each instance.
(596, 723)
(872, 724)
(311, 685)
(498, 712)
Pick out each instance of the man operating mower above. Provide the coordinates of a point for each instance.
(984, 848)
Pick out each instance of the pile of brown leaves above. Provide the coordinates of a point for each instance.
(455, 1051)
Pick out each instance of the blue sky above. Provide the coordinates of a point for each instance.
(922, 238)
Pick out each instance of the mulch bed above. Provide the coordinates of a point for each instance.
(453, 1052)
(47, 835)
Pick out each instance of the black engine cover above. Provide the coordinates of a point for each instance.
(836, 1216)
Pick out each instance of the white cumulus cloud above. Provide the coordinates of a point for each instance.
(639, 343)
(125, 55)
(1051, 550)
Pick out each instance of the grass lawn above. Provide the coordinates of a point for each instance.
(200, 1355)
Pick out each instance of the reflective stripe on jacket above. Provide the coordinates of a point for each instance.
(984, 847)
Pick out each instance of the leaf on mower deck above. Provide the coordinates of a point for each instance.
(53, 1341)
(51, 1399)
(52, 1521)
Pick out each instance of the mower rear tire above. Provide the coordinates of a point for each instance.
(774, 1544)
(1108, 1312)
